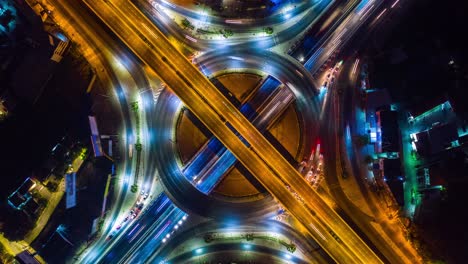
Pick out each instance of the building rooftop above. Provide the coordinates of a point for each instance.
(390, 130)
(436, 139)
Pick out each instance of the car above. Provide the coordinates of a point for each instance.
(118, 227)
(145, 196)
(126, 219)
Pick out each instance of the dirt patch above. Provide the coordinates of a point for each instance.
(287, 131)
(236, 185)
(189, 138)
(240, 85)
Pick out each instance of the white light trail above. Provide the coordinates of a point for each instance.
(356, 63)
(233, 21)
(190, 38)
(318, 232)
(396, 2)
(366, 12)
(381, 13)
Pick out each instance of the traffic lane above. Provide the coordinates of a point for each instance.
(233, 250)
(348, 82)
(137, 229)
(154, 238)
(346, 29)
(212, 121)
(209, 152)
(324, 34)
(306, 245)
(165, 23)
(274, 109)
(259, 22)
(333, 171)
(152, 241)
(333, 168)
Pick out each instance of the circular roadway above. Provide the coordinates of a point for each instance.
(178, 188)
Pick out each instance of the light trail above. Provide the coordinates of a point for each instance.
(394, 4)
(162, 229)
(136, 234)
(356, 63)
(381, 13)
(365, 13)
(318, 232)
(129, 234)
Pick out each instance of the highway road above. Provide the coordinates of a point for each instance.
(353, 17)
(214, 110)
(213, 160)
(138, 244)
(114, 67)
(286, 11)
(222, 251)
(159, 220)
(168, 106)
(192, 237)
(387, 243)
(285, 25)
(180, 190)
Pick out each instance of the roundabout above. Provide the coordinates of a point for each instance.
(196, 167)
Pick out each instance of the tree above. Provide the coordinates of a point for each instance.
(187, 24)
(138, 147)
(42, 202)
(291, 248)
(226, 33)
(52, 186)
